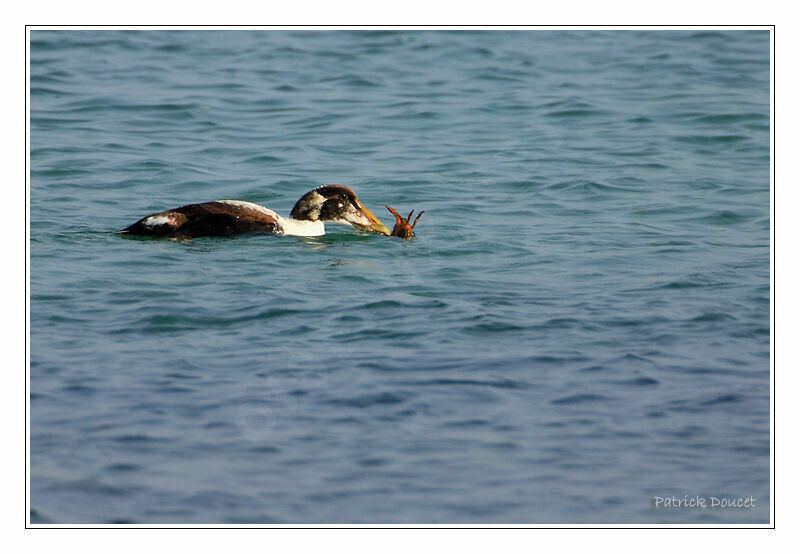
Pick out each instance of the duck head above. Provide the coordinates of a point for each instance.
(337, 204)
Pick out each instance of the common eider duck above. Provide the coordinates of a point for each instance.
(224, 218)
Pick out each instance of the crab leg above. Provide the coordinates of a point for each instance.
(396, 215)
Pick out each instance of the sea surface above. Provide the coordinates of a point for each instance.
(581, 326)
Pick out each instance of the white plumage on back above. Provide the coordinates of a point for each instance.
(249, 206)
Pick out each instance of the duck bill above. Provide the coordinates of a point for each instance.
(375, 224)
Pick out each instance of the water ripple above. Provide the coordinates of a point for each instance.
(582, 322)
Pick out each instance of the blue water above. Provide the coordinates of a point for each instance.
(581, 325)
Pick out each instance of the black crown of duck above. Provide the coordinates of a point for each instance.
(224, 218)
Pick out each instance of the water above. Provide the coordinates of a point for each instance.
(581, 325)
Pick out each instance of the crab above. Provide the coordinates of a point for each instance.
(404, 228)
